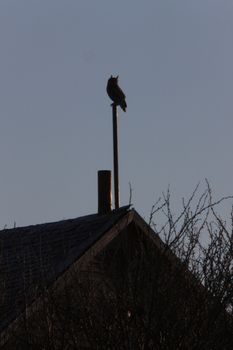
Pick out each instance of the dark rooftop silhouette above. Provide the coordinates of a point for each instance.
(37, 255)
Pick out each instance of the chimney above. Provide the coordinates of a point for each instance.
(104, 192)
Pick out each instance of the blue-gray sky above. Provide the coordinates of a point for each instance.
(175, 62)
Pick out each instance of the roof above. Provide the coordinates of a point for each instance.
(36, 255)
(44, 255)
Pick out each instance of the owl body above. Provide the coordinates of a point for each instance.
(115, 93)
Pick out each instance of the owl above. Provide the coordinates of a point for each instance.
(115, 93)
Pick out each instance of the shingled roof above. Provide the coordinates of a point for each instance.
(36, 255)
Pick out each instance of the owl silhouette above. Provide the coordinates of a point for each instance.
(115, 93)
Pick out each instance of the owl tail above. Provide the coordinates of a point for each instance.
(123, 105)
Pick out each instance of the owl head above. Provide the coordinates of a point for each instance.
(114, 79)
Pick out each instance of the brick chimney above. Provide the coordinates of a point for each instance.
(104, 192)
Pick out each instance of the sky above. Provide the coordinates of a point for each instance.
(175, 64)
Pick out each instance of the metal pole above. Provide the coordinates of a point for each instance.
(115, 155)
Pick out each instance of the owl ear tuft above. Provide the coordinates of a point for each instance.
(117, 76)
